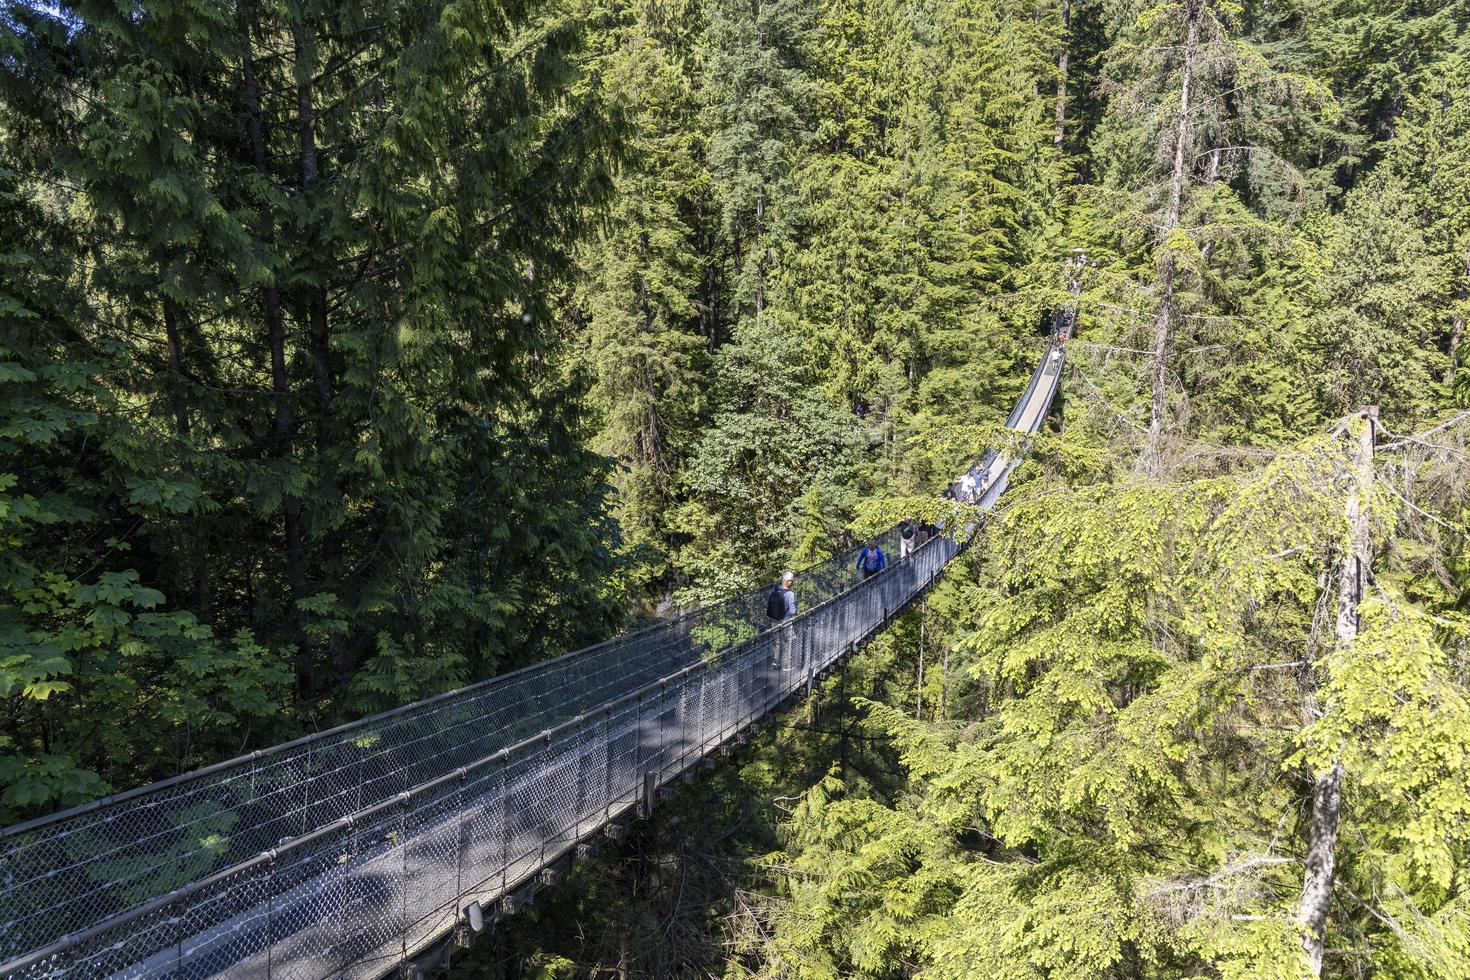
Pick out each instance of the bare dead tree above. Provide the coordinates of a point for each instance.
(1321, 860)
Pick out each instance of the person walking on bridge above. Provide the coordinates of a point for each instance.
(781, 610)
(781, 603)
(968, 483)
(872, 560)
(908, 537)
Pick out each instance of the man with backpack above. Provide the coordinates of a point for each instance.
(781, 603)
(871, 560)
(781, 610)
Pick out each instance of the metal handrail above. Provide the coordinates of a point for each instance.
(502, 758)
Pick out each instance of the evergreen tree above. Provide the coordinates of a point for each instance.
(354, 351)
(1193, 112)
(1376, 332)
(774, 473)
(644, 278)
(1123, 795)
(317, 302)
(1376, 57)
(1430, 156)
(759, 96)
(101, 680)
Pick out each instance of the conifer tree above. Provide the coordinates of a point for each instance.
(1380, 318)
(86, 644)
(774, 473)
(647, 346)
(1430, 155)
(1194, 111)
(1126, 794)
(759, 96)
(1377, 58)
(318, 244)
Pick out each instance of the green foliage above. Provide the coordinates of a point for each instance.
(758, 96)
(288, 431)
(775, 451)
(643, 275)
(1400, 716)
(812, 191)
(1120, 797)
(863, 207)
(1373, 337)
(89, 654)
(354, 351)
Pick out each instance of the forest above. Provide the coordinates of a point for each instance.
(351, 352)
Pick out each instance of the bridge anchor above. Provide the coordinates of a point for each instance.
(512, 902)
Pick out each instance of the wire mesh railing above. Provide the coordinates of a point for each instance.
(281, 862)
(361, 894)
(64, 872)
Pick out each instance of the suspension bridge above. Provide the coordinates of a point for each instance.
(359, 851)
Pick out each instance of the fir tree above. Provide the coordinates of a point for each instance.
(644, 276)
(324, 294)
(759, 98)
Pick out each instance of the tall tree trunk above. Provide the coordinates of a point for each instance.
(1321, 861)
(1212, 174)
(651, 451)
(283, 427)
(1321, 865)
(174, 339)
(197, 546)
(316, 295)
(709, 308)
(1178, 181)
(707, 247)
(944, 686)
(319, 338)
(919, 684)
(760, 268)
(1062, 59)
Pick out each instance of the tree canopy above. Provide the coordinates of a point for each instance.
(351, 352)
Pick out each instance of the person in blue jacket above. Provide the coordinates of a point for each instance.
(872, 560)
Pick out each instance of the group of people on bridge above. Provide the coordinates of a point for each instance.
(871, 560)
(972, 485)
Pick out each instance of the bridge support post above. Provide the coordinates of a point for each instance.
(650, 785)
(842, 700)
(270, 918)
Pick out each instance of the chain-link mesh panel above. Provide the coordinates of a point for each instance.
(483, 837)
(434, 838)
(103, 859)
(356, 898)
